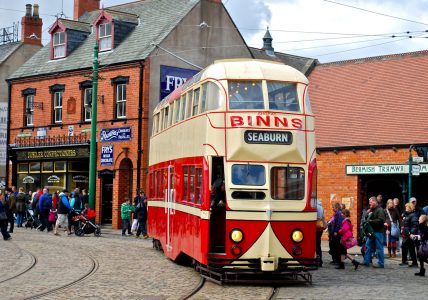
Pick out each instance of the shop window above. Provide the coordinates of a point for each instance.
(59, 166)
(35, 167)
(54, 181)
(77, 166)
(287, 183)
(195, 109)
(30, 182)
(23, 168)
(80, 180)
(47, 166)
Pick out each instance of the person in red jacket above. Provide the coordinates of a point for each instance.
(347, 241)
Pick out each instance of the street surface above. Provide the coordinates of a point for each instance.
(37, 265)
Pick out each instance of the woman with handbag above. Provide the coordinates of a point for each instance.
(410, 226)
(347, 241)
(3, 222)
(392, 222)
(423, 243)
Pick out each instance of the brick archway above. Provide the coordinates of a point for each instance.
(123, 189)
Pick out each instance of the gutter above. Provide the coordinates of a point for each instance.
(140, 122)
(9, 100)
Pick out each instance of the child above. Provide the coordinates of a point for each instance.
(126, 209)
(347, 241)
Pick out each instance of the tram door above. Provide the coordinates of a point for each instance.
(218, 207)
(169, 206)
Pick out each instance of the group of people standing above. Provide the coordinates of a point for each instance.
(139, 211)
(39, 209)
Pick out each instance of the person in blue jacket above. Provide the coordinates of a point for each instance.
(63, 209)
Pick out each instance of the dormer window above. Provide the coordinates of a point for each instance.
(59, 44)
(105, 36)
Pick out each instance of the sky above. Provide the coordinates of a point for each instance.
(327, 30)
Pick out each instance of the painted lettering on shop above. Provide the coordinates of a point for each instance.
(383, 169)
(51, 154)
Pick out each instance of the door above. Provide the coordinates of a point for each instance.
(107, 199)
(217, 207)
(169, 207)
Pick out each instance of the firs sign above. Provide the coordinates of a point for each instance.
(107, 155)
(171, 78)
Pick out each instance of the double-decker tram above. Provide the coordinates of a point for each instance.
(232, 173)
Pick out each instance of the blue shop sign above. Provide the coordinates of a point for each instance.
(115, 134)
(171, 78)
(107, 155)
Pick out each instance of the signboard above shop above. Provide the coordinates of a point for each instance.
(382, 169)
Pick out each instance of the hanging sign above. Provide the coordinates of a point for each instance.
(115, 134)
(41, 133)
(171, 78)
(107, 155)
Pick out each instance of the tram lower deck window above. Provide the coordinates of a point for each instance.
(287, 183)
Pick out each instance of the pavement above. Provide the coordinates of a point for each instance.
(40, 265)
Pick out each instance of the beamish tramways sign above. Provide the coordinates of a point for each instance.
(382, 169)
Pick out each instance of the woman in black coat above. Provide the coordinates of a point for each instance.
(423, 238)
(3, 222)
(410, 227)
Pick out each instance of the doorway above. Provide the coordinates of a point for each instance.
(106, 198)
(217, 207)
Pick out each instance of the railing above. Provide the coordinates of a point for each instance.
(64, 140)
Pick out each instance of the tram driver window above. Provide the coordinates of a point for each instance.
(245, 95)
(247, 174)
(283, 96)
(287, 183)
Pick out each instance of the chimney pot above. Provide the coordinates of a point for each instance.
(36, 11)
(28, 10)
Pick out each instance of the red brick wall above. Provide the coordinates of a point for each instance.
(82, 6)
(335, 185)
(105, 116)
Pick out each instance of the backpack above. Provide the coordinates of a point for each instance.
(47, 202)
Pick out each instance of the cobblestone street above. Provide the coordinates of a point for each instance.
(44, 266)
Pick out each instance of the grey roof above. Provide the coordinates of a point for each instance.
(303, 64)
(76, 25)
(157, 19)
(267, 35)
(7, 49)
(122, 16)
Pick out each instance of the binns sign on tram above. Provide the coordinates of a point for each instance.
(266, 121)
(383, 169)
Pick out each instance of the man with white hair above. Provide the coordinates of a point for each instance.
(418, 210)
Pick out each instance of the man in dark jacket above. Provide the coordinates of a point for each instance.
(376, 219)
(45, 205)
(10, 208)
(141, 214)
(21, 206)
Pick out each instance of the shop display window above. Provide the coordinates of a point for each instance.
(23, 168)
(47, 166)
(59, 166)
(35, 167)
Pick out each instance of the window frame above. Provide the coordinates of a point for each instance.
(302, 183)
(29, 107)
(57, 108)
(86, 102)
(59, 45)
(102, 36)
(120, 101)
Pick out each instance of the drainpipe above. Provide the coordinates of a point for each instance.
(409, 187)
(140, 123)
(9, 100)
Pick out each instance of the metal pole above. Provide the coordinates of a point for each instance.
(93, 146)
(409, 188)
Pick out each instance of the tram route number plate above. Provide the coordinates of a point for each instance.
(268, 137)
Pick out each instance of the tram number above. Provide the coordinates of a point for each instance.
(268, 137)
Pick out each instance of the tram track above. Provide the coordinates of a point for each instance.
(92, 271)
(195, 290)
(31, 266)
(273, 293)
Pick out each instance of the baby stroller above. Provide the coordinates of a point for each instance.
(83, 224)
(31, 220)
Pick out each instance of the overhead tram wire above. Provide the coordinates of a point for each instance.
(374, 12)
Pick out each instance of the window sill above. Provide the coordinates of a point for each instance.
(124, 120)
(55, 125)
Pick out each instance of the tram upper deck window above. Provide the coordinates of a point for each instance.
(283, 96)
(215, 98)
(247, 174)
(308, 106)
(245, 95)
(287, 183)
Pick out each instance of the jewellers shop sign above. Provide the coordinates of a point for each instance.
(382, 169)
(171, 78)
(115, 134)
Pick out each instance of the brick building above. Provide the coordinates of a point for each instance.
(369, 112)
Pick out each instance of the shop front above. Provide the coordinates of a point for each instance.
(54, 168)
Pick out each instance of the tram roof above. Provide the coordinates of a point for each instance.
(239, 69)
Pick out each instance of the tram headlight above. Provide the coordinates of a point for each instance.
(297, 236)
(237, 235)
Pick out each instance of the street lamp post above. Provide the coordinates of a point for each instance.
(409, 188)
(93, 146)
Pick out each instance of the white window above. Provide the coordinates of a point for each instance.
(87, 100)
(29, 109)
(105, 36)
(59, 44)
(121, 101)
(58, 107)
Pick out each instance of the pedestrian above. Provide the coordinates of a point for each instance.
(418, 210)
(376, 219)
(134, 226)
(347, 241)
(141, 215)
(410, 227)
(379, 200)
(10, 208)
(35, 203)
(44, 206)
(21, 205)
(392, 224)
(63, 210)
(321, 226)
(334, 226)
(4, 221)
(55, 199)
(125, 210)
(85, 199)
(400, 212)
(423, 241)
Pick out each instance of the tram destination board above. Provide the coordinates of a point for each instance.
(268, 137)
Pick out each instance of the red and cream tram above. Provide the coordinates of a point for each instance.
(232, 170)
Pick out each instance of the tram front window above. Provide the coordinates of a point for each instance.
(248, 175)
(245, 95)
(283, 96)
(287, 183)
